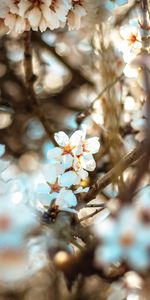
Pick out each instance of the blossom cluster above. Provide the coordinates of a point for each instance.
(131, 39)
(126, 237)
(68, 166)
(23, 15)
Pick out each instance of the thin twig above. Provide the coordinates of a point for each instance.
(91, 215)
(88, 111)
(94, 205)
(115, 172)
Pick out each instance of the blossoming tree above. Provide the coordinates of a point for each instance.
(74, 149)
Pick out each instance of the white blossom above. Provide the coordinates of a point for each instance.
(15, 223)
(123, 240)
(9, 11)
(42, 15)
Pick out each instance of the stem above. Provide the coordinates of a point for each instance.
(91, 215)
(115, 172)
(88, 111)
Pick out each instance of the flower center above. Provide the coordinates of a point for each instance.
(67, 149)
(132, 38)
(84, 148)
(5, 223)
(127, 239)
(55, 187)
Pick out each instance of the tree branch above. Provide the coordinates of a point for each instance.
(88, 111)
(115, 172)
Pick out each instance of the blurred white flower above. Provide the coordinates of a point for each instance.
(15, 222)
(122, 240)
(143, 198)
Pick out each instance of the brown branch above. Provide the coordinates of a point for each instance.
(83, 263)
(30, 79)
(115, 172)
(121, 15)
(91, 215)
(77, 77)
(88, 111)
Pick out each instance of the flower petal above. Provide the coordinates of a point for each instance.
(88, 162)
(65, 199)
(34, 17)
(67, 161)
(51, 172)
(92, 145)
(61, 138)
(76, 137)
(81, 190)
(54, 153)
(2, 149)
(68, 179)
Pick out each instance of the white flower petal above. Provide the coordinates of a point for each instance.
(92, 145)
(88, 163)
(52, 171)
(82, 174)
(67, 161)
(34, 17)
(61, 138)
(43, 188)
(68, 179)
(76, 138)
(81, 190)
(44, 199)
(54, 153)
(65, 199)
(2, 149)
